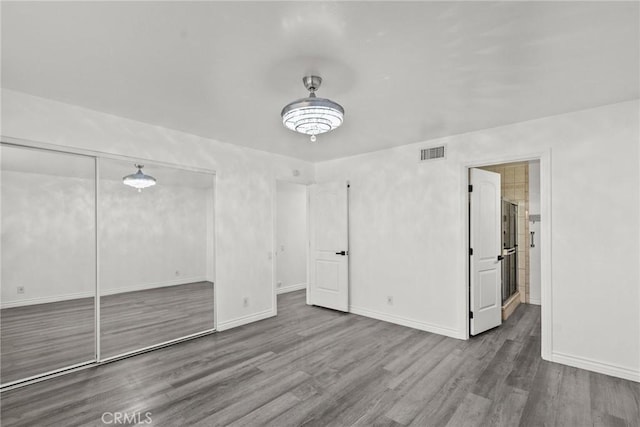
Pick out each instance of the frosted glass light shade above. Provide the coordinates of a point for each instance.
(312, 116)
(139, 180)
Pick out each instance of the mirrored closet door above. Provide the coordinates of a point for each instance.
(96, 270)
(155, 255)
(48, 262)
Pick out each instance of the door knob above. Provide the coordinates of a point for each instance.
(343, 253)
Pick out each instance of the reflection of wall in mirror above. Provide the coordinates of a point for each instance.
(160, 237)
(48, 238)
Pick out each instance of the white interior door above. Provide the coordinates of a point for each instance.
(329, 251)
(485, 239)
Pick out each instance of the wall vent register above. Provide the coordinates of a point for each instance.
(432, 153)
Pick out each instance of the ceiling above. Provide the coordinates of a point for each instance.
(404, 71)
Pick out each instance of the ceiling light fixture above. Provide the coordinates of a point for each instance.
(312, 115)
(139, 180)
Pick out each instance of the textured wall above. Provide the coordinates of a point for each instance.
(408, 231)
(48, 237)
(245, 187)
(152, 238)
(408, 218)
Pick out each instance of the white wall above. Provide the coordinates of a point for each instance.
(535, 259)
(408, 229)
(48, 238)
(245, 187)
(291, 236)
(154, 238)
(150, 239)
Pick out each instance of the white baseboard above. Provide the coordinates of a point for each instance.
(596, 366)
(250, 318)
(403, 321)
(535, 301)
(45, 300)
(113, 291)
(291, 288)
(145, 286)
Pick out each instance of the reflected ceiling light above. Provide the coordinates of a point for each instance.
(312, 115)
(139, 180)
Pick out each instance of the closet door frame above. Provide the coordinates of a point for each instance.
(97, 156)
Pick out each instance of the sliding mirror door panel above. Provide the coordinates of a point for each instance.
(155, 256)
(48, 262)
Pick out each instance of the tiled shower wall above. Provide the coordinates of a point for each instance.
(514, 179)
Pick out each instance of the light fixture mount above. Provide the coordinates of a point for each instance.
(312, 83)
(312, 115)
(139, 180)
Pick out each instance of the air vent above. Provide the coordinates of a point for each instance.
(432, 153)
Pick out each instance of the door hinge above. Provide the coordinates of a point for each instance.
(471, 315)
(470, 188)
(470, 251)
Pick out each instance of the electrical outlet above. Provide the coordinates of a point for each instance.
(390, 300)
(177, 273)
(20, 289)
(245, 302)
(279, 284)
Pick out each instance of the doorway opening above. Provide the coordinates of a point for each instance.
(291, 239)
(499, 284)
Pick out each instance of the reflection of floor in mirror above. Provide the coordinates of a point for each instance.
(39, 338)
(133, 320)
(43, 337)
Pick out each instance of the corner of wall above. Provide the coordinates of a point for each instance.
(410, 323)
(244, 320)
(596, 366)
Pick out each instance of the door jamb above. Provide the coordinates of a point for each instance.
(545, 231)
(274, 229)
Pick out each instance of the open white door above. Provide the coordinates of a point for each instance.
(486, 251)
(329, 251)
